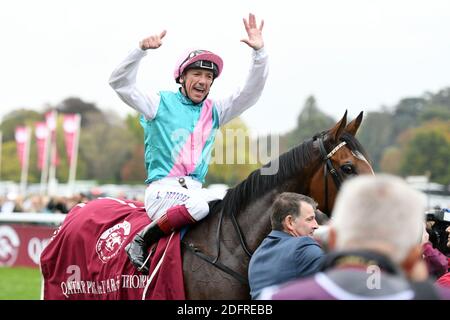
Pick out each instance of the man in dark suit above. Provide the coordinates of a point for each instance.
(375, 247)
(289, 251)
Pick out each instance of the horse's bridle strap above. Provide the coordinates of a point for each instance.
(328, 167)
(332, 152)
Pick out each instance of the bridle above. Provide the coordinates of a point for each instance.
(328, 168)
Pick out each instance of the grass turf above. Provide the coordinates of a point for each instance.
(20, 283)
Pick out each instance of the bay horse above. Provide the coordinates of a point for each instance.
(238, 224)
(216, 250)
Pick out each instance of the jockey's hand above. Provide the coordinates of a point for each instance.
(152, 42)
(255, 39)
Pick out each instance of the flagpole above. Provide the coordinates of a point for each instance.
(44, 172)
(73, 163)
(52, 171)
(24, 175)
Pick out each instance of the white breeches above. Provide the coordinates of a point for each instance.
(166, 193)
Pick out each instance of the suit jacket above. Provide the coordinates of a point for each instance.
(282, 257)
(349, 275)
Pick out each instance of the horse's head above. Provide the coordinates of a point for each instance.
(242, 218)
(342, 157)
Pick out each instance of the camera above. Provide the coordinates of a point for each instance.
(438, 220)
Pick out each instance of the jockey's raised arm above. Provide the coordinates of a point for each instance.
(176, 167)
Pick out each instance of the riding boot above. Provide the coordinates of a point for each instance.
(138, 247)
(175, 218)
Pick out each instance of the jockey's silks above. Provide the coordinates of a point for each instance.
(179, 140)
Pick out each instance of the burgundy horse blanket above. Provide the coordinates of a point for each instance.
(85, 259)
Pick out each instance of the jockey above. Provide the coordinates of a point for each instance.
(179, 132)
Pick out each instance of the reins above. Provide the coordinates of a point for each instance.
(328, 167)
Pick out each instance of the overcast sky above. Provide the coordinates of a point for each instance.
(350, 54)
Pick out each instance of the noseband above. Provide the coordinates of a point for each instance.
(328, 168)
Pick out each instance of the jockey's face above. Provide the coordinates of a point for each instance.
(197, 83)
(305, 224)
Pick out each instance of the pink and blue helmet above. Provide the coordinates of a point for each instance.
(201, 59)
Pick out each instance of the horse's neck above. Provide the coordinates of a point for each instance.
(254, 221)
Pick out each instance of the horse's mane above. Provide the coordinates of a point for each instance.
(257, 184)
(289, 163)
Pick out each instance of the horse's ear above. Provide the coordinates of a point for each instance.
(353, 126)
(338, 128)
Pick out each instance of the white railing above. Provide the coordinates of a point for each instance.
(24, 217)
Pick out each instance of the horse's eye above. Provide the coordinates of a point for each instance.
(348, 169)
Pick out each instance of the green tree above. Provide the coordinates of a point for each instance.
(10, 162)
(440, 112)
(89, 112)
(232, 158)
(376, 134)
(105, 148)
(441, 98)
(135, 128)
(16, 118)
(105, 143)
(428, 151)
(133, 171)
(310, 121)
(407, 113)
(391, 160)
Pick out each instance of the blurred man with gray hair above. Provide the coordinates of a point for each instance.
(375, 238)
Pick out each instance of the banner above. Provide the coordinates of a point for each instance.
(50, 119)
(71, 125)
(22, 244)
(41, 133)
(21, 136)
